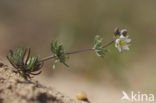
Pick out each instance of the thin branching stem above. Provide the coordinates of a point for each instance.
(109, 43)
(68, 53)
(46, 58)
(75, 52)
(80, 51)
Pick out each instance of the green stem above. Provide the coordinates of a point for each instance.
(68, 53)
(109, 43)
(75, 52)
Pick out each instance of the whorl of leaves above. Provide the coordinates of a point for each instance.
(59, 53)
(24, 64)
(98, 46)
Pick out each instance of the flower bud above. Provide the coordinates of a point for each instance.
(117, 31)
(124, 32)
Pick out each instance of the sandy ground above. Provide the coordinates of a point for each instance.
(71, 85)
(14, 89)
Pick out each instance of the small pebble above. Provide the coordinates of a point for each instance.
(82, 96)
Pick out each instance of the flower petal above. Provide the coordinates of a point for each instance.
(125, 47)
(128, 40)
(122, 37)
(119, 49)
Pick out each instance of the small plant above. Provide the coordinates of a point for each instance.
(27, 66)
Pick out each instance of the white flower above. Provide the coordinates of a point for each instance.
(122, 42)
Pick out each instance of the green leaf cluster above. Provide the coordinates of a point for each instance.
(59, 53)
(17, 57)
(24, 63)
(98, 46)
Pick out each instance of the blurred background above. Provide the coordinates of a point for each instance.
(35, 23)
